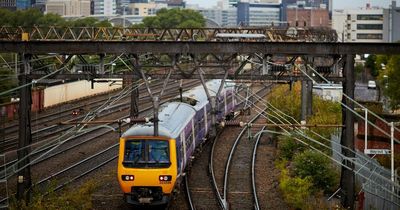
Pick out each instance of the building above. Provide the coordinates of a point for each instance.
(360, 25)
(146, 9)
(258, 14)
(391, 19)
(309, 3)
(68, 7)
(307, 17)
(176, 4)
(25, 4)
(8, 4)
(220, 17)
(105, 7)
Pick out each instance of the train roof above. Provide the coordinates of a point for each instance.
(198, 93)
(173, 117)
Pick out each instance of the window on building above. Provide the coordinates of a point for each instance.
(369, 26)
(369, 17)
(369, 36)
(136, 11)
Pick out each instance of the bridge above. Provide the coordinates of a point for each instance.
(184, 53)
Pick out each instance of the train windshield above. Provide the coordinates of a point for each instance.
(146, 154)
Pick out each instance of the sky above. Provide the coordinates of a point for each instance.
(337, 4)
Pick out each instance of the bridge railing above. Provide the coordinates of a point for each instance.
(159, 34)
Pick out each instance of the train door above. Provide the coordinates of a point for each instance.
(183, 151)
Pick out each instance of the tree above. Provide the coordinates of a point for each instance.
(33, 17)
(370, 64)
(7, 82)
(175, 18)
(393, 86)
(51, 20)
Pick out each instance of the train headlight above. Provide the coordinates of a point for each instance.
(165, 178)
(128, 177)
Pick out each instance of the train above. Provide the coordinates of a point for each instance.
(151, 167)
(46, 97)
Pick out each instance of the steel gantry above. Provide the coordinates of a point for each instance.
(161, 34)
(272, 61)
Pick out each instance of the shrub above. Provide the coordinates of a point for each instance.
(317, 167)
(288, 147)
(72, 199)
(296, 191)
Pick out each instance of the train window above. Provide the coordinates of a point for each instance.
(134, 151)
(146, 153)
(158, 151)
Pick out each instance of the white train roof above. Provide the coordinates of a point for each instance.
(173, 117)
(198, 93)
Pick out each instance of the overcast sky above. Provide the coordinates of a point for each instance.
(337, 4)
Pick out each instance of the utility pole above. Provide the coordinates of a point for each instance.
(24, 181)
(306, 93)
(347, 178)
(304, 101)
(134, 112)
(309, 91)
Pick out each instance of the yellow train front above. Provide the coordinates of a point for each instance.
(147, 169)
(150, 167)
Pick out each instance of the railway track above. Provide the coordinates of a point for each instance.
(81, 140)
(253, 172)
(43, 126)
(203, 182)
(115, 109)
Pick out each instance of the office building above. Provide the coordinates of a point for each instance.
(68, 7)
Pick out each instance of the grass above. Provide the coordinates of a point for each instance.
(69, 200)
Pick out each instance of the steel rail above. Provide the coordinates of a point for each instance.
(222, 199)
(11, 143)
(81, 162)
(253, 178)
(10, 163)
(189, 196)
(229, 160)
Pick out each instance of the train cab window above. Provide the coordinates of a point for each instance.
(158, 151)
(134, 151)
(146, 154)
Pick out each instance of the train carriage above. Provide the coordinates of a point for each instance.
(149, 167)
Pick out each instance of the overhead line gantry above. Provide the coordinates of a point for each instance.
(194, 46)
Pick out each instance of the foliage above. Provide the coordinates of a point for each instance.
(33, 17)
(393, 86)
(78, 199)
(324, 113)
(175, 18)
(286, 100)
(89, 21)
(296, 191)
(7, 82)
(359, 68)
(370, 64)
(317, 167)
(288, 147)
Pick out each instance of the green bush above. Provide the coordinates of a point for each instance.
(287, 147)
(286, 100)
(317, 167)
(296, 191)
